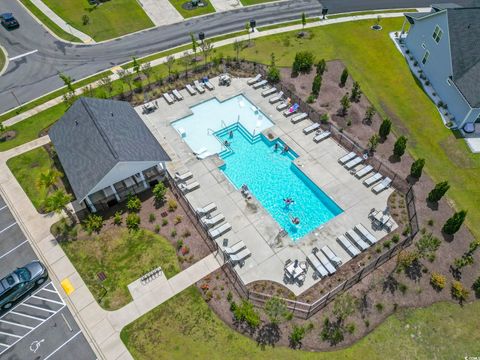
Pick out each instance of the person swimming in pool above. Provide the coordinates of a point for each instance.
(226, 143)
(275, 147)
(230, 134)
(285, 149)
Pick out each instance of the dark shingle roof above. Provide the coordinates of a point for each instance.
(438, 7)
(464, 30)
(94, 135)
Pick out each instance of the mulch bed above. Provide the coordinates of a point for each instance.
(8, 135)
(385, 286)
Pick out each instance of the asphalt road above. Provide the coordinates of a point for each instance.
(33, 75)
(39, 326)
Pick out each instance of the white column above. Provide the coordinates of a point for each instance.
(115, 193)
(90, 204)
(142, 177)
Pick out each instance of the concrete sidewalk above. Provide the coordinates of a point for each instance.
(102, 328)
(61, 23)
(161, 12)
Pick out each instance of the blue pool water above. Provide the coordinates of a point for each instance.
(271, 177)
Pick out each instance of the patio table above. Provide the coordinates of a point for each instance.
(294, 271)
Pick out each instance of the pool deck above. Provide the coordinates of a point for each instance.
(250, 221)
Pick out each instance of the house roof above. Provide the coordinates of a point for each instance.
(464, 30)
(94, 135)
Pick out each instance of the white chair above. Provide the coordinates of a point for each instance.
(209, 85)
(325, 262)
(269, 92)
(290, 111)
(219, 230)
(385, 184)
(189, 187)
(311, 128)
(372, 179)
(206, 209)
(298, 118)
(168, 98)
(318, 267)
(348, 246)
(214, 220)
(364, 171)
(241, 256)
(347, 157)
(234, 248)
(276, 98)
(177, 94)
(282, 106)
(190, 89)
(367, 235)
(352, 163)
(254, 80)
(362, 245)
(198, 87)
(260, 84)
(334, 259)
(182, 177)
(322, 136)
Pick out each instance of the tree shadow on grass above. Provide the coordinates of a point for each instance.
(268, 334)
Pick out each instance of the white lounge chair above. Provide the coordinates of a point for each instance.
(190, 89)
(206, 209)
(348, 246)
(199, 87)
(276, 98)
(382, 186)
(200, 150)
(241, 256)
(372, 179)
(367, 235)
(325, 262)
(168, 98)
(290, 112)
(189, 187)
(347, 157)
(352, 163)
(388, 225)
(260, 84)
(269, 92)
(322, 136)
(334, 259)
(177, 94)
(299, 117)
(317, 266)
(362, 245)
(364, 171)
(209, 85)
(254, 80)
(311, 128)
(184, 176)
(282, 106)
(234, 248)
(219, 230)
(214, 220)
(204, 155)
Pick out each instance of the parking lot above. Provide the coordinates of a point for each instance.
(39, 326)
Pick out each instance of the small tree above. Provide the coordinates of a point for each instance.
(169, 63)
(321, 67)
(247, 29)
(106, 83)
(126, 78)
(276, 310)
(356, 92)
(459, 292)
(304, 21)
(245, 312)
(133, 203)
(68, 82)
(207, 48)
(49, 178)
(136, 65)
(273, 73)
(427, 246)
(303, 62)
(238, 46)
(3, 128)
(159, 192)
(57, 202)
(344, 77)
(344, 306)
(416, 168)
(369, 114)
(400, 146)
(385, 128)
(453, 224)
(296, 336)
(373, 142)
(438, 191)
(345, 103)
(317, 83)
(186, 60)
(146, 69)
(132, 221)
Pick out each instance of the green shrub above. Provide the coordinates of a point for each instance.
(403, 288)
(400, 146)
(331, 332)
(317, 83)
(438, 281)
(453, 224)
(459, 292)
(117, 218)
(93, 223)
(303, 62)
(407, 259)
(276, 310)
(245, 312)
(396, 238)
(438, 191)
(134, 204)
(476, 287)
(179, 244)
(296, 336)
(157, 228)
(379, 307)
(344, 77)
(427, 246)
(324, 118)
(172, 205)
(273, 74)
(229, 296)
(173, 233)
(186, 233)
(350, 328)
(164, 222)
(311, 99)
(417, 168)
(385, 128)
(133, 221)
(356, 92)
(151, 217)
(321, 67)
(466, 259)
(369, 113)
(178, 219)
(159, 192)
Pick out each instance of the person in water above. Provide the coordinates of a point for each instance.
(285, 149)
(230, 134)
(275, 146)
(226, 143)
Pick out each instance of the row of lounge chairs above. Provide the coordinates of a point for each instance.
(210, 221)
(351, 160)
(324, 262)
(192, 90)
(182, 178)
(237, 253)
(356, 240)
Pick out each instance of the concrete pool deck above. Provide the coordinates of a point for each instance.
(250, 221)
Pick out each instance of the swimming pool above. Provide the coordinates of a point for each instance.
(197, 130)
(272, 177)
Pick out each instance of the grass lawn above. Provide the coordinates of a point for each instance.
(106, 21)
(358, 13)
(177, 4)
(2, 59)
(185, 327)
(27, 168)
(285, 24)
(57, 30)
(386, 80)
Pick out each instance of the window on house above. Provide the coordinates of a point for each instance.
(437, 34)
(449, 82)
(425, 57)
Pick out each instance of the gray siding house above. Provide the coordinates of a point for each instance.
(106, 151)
(446, 44)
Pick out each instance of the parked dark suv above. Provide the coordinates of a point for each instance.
(21, 281)
(8, 21)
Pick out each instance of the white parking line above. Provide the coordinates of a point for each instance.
(2, 344)
(3, 207)
(9, 334)
(39, 308)
(45, 299)
(23, 55)
(49, 290)
(27, 316)
(8, 227)
(61, 346)
(11, 250)
(16, 324)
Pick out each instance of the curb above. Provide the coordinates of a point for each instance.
(2, 49)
